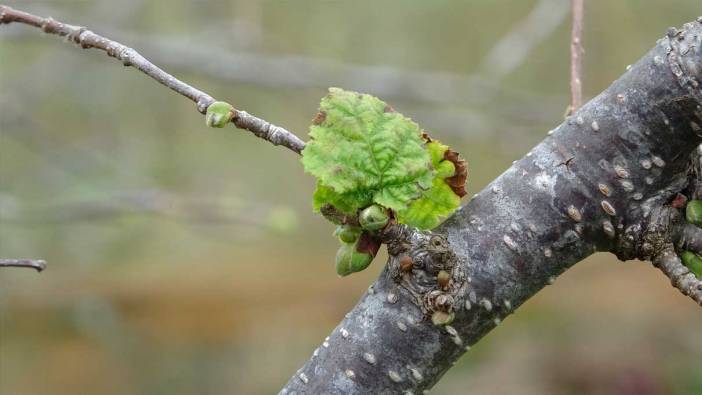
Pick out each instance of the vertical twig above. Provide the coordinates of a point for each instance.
(576, 51)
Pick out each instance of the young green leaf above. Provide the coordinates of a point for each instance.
(347, 203)
(438, 201)
(362, 152)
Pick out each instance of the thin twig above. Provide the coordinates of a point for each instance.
(129, 57)
(37, 264)
(680, 276)
(576, 51)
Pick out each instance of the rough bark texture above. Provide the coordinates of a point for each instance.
(601, 181)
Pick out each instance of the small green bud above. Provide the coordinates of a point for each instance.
(219, 114)
(445, 169)
(693, 212)
(348, 260)
(443, 278)
(347, 233)
(693, 262)
(373, 218)
(442, 318)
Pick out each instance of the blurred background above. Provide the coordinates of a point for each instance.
(184, 259)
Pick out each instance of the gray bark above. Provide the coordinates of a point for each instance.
(601, 181)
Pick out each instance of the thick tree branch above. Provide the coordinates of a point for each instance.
(601, 181)
(129, 57)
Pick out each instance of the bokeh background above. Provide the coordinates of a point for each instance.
(186, 260)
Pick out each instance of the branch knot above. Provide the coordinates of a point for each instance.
(648, 238)
(424, 264)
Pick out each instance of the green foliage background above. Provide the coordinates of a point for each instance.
(184, 259)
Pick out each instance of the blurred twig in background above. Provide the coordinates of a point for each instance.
(576, 51)
(202, 210)
(512, 49)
